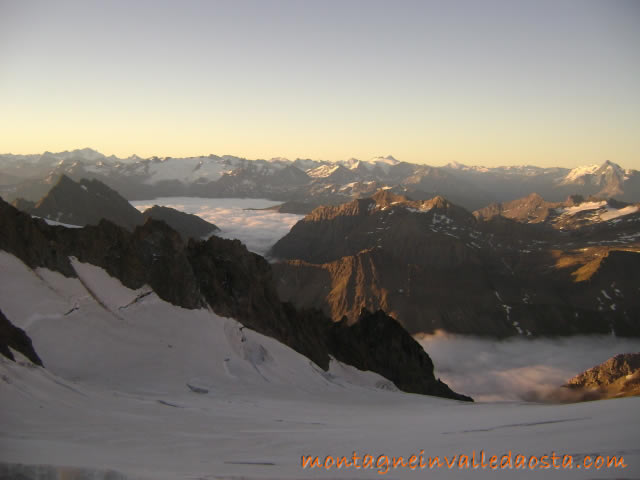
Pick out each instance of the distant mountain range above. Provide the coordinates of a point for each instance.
(304, 184)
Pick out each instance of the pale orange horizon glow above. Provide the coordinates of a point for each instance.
(479, 83)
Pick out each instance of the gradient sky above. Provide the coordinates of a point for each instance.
(478, 82)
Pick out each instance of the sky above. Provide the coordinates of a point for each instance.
(478, 82)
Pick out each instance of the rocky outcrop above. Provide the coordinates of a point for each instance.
(619, 376)
(12, 337)
(378, 343)
(223, 275)
(188, 225)
(530, 209)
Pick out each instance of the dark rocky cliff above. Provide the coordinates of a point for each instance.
(12, 337)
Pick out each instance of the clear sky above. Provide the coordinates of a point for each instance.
(478, 82)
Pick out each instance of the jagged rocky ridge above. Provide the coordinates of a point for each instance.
(433, 265)
(617, 377)
(223, 275)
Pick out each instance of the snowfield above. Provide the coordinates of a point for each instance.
(236, 217)
(602, 212)
(136, 388)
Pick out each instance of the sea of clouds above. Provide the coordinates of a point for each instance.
(236, 217)
(518, 368)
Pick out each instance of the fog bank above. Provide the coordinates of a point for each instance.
(257, 229)
(518, 368)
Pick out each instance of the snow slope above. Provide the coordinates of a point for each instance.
(188, 170)
(153, 391)
(323, 171)
(581, 171)
(602, 212)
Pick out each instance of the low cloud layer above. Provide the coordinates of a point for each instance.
(257, 229)
(519, 368)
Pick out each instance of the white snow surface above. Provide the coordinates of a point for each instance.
(236, 217)
(59, 224)
(584, 206)
(578, 172)
(323, 171)
(602, 211)
(383, 163)
(188, 170)
(118, 393)
(612, 213)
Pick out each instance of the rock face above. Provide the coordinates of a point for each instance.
(223, 275)
(433, 265)
(403, 358)
(617, 377)
(189, 226)
(15, 338)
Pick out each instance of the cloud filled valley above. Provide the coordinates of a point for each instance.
(241, 218)
(518, 369)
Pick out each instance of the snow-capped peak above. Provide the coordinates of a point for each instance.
(279, 160)
(388, 160)
(351, 163)
(322, 171)
(580, 172)
(595, 172)
(456, 166)
(381, 162)
(609, 166)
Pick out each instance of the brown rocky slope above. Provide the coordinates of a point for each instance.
(618, 377)
(433, 265)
